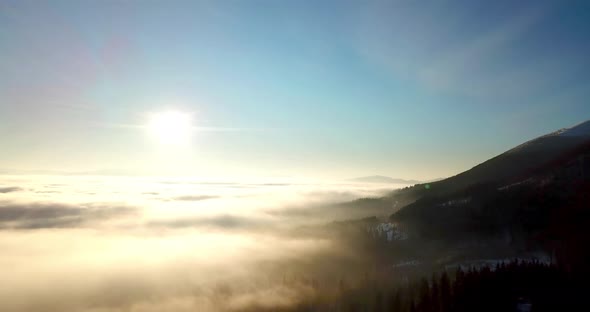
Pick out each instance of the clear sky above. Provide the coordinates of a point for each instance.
(410, 89)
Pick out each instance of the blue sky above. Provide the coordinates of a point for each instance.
(413, 89)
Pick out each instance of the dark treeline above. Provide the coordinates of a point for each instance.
(525, 286)
(515, 286)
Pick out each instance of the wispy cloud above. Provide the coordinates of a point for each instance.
(222, 222)
(10, 189)
(424, 46)
(195, 197)
(55, 215)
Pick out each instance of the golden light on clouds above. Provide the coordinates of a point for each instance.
(144, 244)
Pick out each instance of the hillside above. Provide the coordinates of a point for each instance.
(511, 165)
(532, 197)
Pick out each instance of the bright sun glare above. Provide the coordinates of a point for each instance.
(173, 127)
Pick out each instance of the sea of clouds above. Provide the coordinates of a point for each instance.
(92, 243)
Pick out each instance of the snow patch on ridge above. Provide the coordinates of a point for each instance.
(387, 230)
(582, 129)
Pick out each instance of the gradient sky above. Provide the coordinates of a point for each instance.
(411, 89)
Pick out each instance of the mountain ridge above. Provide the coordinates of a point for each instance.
(514, 163)
(533, 198)
(384, 179)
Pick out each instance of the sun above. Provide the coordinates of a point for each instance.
(171, 128)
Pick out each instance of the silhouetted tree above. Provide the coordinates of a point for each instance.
(412, 306)
(395, 304)
(378, 302)
(434, 294)
(424, 302)
(445, 292)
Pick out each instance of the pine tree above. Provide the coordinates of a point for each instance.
(445, 292)
(395, 305)
(434, 294)
(424, 303)
(412, 306)
(458, 290)
(378, 302)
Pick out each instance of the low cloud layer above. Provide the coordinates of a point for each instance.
(55, 215)
(120, 245)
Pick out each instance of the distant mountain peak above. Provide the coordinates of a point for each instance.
(384, 179)
(579, 131)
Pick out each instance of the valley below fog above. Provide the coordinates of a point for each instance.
(73, 243)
